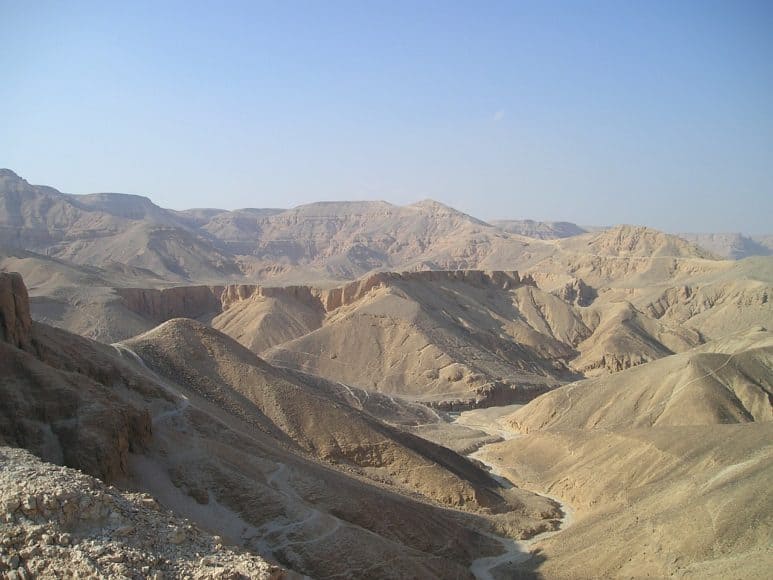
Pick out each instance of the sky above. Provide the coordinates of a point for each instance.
(646, 112)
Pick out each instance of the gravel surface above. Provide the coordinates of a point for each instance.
(56, 522)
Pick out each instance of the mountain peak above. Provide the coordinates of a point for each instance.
(8, 174)
(432, 204)
(632, 240)
(436, 207)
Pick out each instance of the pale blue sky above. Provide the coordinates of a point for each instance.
(650, 112)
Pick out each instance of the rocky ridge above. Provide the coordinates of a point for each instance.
(538, 229)
(333, 298)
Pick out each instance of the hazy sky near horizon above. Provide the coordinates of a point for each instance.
(647, 112)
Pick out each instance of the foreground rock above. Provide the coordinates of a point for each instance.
(58, 522)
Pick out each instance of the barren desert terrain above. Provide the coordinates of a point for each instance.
(365, 390)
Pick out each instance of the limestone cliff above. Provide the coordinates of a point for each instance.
(333, 298)
(160, 305)
(15, 321)
(62, 399)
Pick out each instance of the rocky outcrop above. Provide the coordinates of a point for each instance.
(493, 394)
(683, 302)
(160, 305)
(15, 321)
(237, 292)
(615, 362)
(576, 292)
(67, 417)
(714, 309)
(167, 303)
(54, 519)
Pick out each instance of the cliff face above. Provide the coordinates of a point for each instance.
(334, 298)
(60, 399)
(261, 317)
(15, 321)
(179, 302)
(576, 291)
(196, 301)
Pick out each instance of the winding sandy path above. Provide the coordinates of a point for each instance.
(515, 552)
(301, 519)
(304, 517)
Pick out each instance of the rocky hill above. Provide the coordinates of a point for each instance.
(101, 229)
(454, 338)
(724, 381)
(640, 241)
(299, 411)
(664, 465)
(686, 501)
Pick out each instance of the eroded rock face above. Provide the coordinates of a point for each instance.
(236, 292)
(178, 302)
(160, 305)
(15, 321)
(68, 417)
(577, 292)
(63, 399)
(334, 298)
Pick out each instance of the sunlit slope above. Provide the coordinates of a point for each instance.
(690, 501)
(725, 381)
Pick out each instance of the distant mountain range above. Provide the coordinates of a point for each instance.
(321, 241)
(733, 246)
